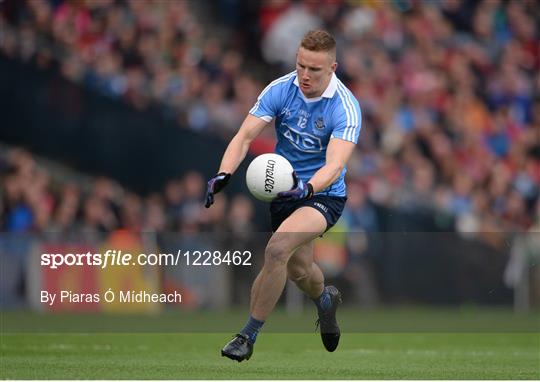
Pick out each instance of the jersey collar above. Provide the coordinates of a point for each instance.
(328, 92)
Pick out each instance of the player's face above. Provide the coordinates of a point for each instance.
(315, 71)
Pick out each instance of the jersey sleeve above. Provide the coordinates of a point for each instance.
(269, 101)
(347, 118)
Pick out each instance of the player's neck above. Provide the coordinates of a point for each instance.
(313, 96)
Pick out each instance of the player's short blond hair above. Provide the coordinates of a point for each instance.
(319, 41)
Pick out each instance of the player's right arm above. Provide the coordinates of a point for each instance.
(239, 145)
(265, 109)
(234, 155)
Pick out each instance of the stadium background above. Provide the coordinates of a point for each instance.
(115, 112)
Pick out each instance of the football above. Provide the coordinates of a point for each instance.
(268, 175)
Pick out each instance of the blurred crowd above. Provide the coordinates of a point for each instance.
(142, 52)
(450, 94)
(449, 90)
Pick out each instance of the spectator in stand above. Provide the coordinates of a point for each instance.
(65, 215)
(155, 217)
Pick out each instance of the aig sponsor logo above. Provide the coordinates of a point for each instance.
(303, 141)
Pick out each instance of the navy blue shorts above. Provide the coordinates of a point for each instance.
(330, 206)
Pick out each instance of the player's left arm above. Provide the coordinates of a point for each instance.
(338, 153)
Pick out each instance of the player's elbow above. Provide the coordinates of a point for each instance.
(336, 169)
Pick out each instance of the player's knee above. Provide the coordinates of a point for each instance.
(276, 254)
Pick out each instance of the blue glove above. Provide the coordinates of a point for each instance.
(215, 185)
(299, 191)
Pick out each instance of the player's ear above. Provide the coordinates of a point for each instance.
(334, 66)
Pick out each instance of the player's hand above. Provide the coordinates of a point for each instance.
(301, 190)
(215, 185)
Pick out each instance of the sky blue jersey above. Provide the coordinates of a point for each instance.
(304, 126)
